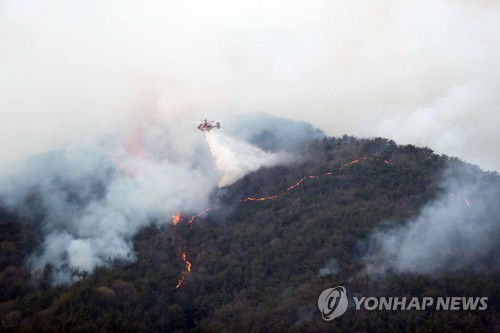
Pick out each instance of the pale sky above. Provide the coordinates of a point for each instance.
(420, 72)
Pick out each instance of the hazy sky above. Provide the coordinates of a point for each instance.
(421, 72)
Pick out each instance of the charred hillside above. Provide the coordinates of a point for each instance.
(274, 240)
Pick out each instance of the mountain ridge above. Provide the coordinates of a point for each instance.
(257, 264)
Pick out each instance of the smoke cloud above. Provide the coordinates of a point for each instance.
(88, 200)
(458, 230)
(421, 72)
(331, 267)
(75, 73)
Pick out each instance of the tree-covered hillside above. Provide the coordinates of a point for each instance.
(259, 259)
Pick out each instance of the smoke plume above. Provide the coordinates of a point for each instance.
(419, 72)
(88, 200)
(458, 230)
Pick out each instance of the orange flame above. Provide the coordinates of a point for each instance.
(184, 258)
(349, 164)
(467, 202)
(179, 283)
(183, 273)
(260, 199)
(194, 217)
(296, 184)
(293, 186)
(176, 218)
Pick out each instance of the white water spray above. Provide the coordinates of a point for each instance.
(236, 158)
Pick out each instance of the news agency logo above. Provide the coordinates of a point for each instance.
(332, 303)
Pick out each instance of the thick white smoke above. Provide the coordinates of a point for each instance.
(235, 158)
(91, 198)
(88, 200)
(458, 230)
(419, 72)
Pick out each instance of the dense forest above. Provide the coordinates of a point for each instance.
(257, 260)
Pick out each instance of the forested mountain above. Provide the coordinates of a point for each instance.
(259, 257)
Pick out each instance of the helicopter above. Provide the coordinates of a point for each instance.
(207, 125)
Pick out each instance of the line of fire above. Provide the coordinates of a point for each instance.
(205, 126)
